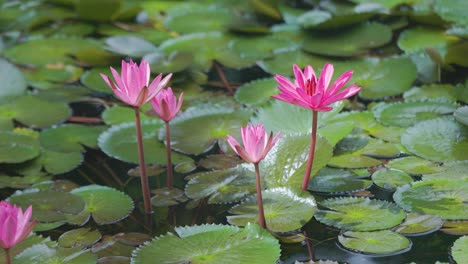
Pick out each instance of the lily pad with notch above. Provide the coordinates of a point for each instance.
(256, 92)
(455, 228)
(391, 179)
(81, 238)
(330, 180)
(419, 38)
(129, 45)
(456, 170)
(42, 253)
(13, 80)
(414, 165)
(72, 137)
(16, 148)
(377, 243)
(419, 224)
(165, 197)
(461, 115)
(459, 251)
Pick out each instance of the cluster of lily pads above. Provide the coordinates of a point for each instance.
(390, 164)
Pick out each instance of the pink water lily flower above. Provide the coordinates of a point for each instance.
(308, 92)
(256, 141)
(165, 104)
(132, 86)
(14, 224)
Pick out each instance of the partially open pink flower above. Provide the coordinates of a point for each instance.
(132, 86)
(308, 92)
(256, 141)
(14, 225)
(165, 104)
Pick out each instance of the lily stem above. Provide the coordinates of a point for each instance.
(310, 161)
(168, 154)
(7, 256)
(141, 157)
(261, 213)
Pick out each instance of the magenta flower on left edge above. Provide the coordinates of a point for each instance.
(132, 86)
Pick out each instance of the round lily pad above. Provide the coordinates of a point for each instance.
(211, 244)
(100, 201)
(441, 139)
(353, 161)
(413, 165)
(439, 92)
(452, 10)
(461, 115)
(129, 45)
(58, 162)
(455, 227)
(81, 238)
(459, 249)
(32, 111)
(170, 63)
(330, 180)
(256, 92)
(219, 161)
(419, 224)
(42, 253)
(446, 198)
(121, 114)
(13, 81)
(359, 214)
(354, 41)
(282, 61)
(379, 243)
(284, 210)
(406, 114)
(16, 148)
(93, 80)
(222, 186)
(208, 126)
(164, 197)
(257, 48)
(188, 21)
(390, 179)
(72, 137)
(419, 38)
(120, 142)
(49, 206)
(22, 182)
(450, 170)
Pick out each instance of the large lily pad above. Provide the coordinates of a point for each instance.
(461, 115)
(13, 81)
(72, 137)
(211, 244)
(455, 227)
(16, 148)
(391, 179)
(449, 170)
(414, 165)
(208, 126)
(42, 253)
(120, 142)
(35, 112)
(419, 224)
(130, 46)
(284, 210)
(459, 250)
(81, 237)
(446, 198)
(441, 139)
(256, 92)
(452, 10)
(330, 180)
(359, 214)
(57, 162)
(188, 20)
(419, 38)
(100, 201)
(380, 243)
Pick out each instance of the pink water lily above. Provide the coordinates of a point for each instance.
(256, 141)
(132, 86)
(308, 92)
(165, 104)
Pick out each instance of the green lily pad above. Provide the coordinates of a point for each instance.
(419, 224)
(80, 238)
(222, 186)
(285, 165)
(441, 139)
(258, 48)
(23, 181)
(120, 142)
(282, 61)
(446, 198)
(57, 162)
(42, 253)
(31, 240)
(43, 51)
(455, 53)
(391, 179)
(165, 197)
(16, 148)
(356, 40)
(211, 244)
(439, 92)
(50, 77)
(461, 115)
(188, 21)
(459, 251)
(455, 227)
(88, 9)
(256, 92)
(419, 38)
(93, 80)
(219, 162)
(35, 112)
(284, 210)
(13, 81)
(353, 161)
(129, 45)
(406, 114)
(49, 206)
(116, 115)
(171, 63)
(99, 204)
(452, 10)
(208, 126)
(414, 165)
(450, 170)
(379, 243)
(360, 214)
(72, 137)
(330, 180)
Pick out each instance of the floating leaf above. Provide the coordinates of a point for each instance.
(16, 148)
(208, 126)
(120, 143)
(353, 161)
(284, 210)
(419, 38)
(172, 63)
(256, 92)
(419, 224)
(257, 48)
(49, 206)
(99, 204)
(452, 10)
(441, 139)
(455, 227)
(93, 80)
(80, 238)
(414, 165)
(449, 170)
(211, 244)
(100, 11)
(165, 197)
(188, 21)
(41, 253)
(455, 54)
(32, 111)
(282, 61)
(438, 92)
(459, 250)
(57, 162)
(116, 115)
(23, 181)
(329, 180)
(391, 179)
(461, 115)
(129, 45)
(445, 198)
(219, 162)
(359, 214)
(380, 243)
(72, 137)
(13, 82)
